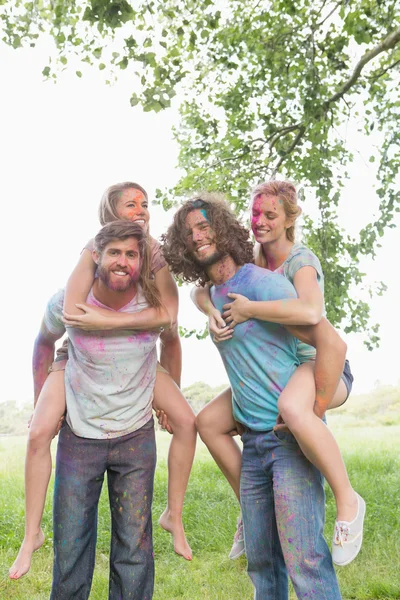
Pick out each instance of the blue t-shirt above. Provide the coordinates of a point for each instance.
(261, 357)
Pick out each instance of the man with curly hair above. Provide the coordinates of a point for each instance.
(282, 495)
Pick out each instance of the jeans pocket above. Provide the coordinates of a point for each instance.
(285, 437)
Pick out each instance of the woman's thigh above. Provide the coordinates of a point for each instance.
(300, 389)
(169, 398)
(217, 414)
(50, 406)
(299, 392)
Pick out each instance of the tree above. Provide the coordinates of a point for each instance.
(266, 88)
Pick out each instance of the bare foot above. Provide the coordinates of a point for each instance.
(23, 561)
(348, 510)
(175, 527)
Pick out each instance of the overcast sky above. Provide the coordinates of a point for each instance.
(61, 145)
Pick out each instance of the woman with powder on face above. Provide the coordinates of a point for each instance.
(122, 201)
(274, 211)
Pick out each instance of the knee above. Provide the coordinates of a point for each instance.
(290, 411)
(40, 435)
(204, 424)
(187, 422)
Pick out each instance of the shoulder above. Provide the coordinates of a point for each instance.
(89, 246)
(268, 285)
(154, 245)
(299, 250)
(301, 256)
(56, 301)
(54, 312)
(157, 260)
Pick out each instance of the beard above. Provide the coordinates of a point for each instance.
(207, 261)
(117, 285)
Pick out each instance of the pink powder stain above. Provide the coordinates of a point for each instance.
(141, 336)
(89, 343)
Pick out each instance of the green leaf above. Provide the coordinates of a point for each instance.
(134, 100)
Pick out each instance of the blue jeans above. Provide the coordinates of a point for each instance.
(283, 505)
(81, 463)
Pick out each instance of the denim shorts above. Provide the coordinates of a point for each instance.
(347, 378)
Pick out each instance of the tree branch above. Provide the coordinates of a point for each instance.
(283, 131)
(389, 42)
(288, 151)
(381, 73)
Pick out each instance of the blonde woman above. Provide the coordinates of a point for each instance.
(122, 201)
(274, 211)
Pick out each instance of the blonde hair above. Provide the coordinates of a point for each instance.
(108, 202)
(286, 192)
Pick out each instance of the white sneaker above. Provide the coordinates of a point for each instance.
(348, 536)
(238, 541)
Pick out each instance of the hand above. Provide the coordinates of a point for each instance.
(93, 319)
(237, 311)
(218, 328)
(59, 425)
(280, 424)
(239, 430)
(319, 410)
(162, 420)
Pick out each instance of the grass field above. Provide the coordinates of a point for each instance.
(372, 458)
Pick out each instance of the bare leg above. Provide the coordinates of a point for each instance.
(314, 437)
(168, 397)
(49, 409)
(214, 422)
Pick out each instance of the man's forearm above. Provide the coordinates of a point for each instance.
(43, 356)
(171, 354)
(329, 361)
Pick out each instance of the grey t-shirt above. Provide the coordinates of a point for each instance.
(110, 375)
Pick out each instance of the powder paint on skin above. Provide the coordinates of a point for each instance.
(204, 213)
(138, 195)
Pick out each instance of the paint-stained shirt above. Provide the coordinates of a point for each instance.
(110, 375)
(300, 256)
(261, 357)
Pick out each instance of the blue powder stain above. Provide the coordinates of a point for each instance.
(204, 213)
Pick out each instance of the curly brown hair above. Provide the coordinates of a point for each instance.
(231, 237)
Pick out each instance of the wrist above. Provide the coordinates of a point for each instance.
(320, 408)
(249, 310)
(213, 312)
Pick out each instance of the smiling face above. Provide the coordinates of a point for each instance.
(268, 219)
(119, 264)
(132, 205)
(200, 238)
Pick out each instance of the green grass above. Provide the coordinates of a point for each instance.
(210, 513)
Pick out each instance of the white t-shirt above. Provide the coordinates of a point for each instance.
(110, 375)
